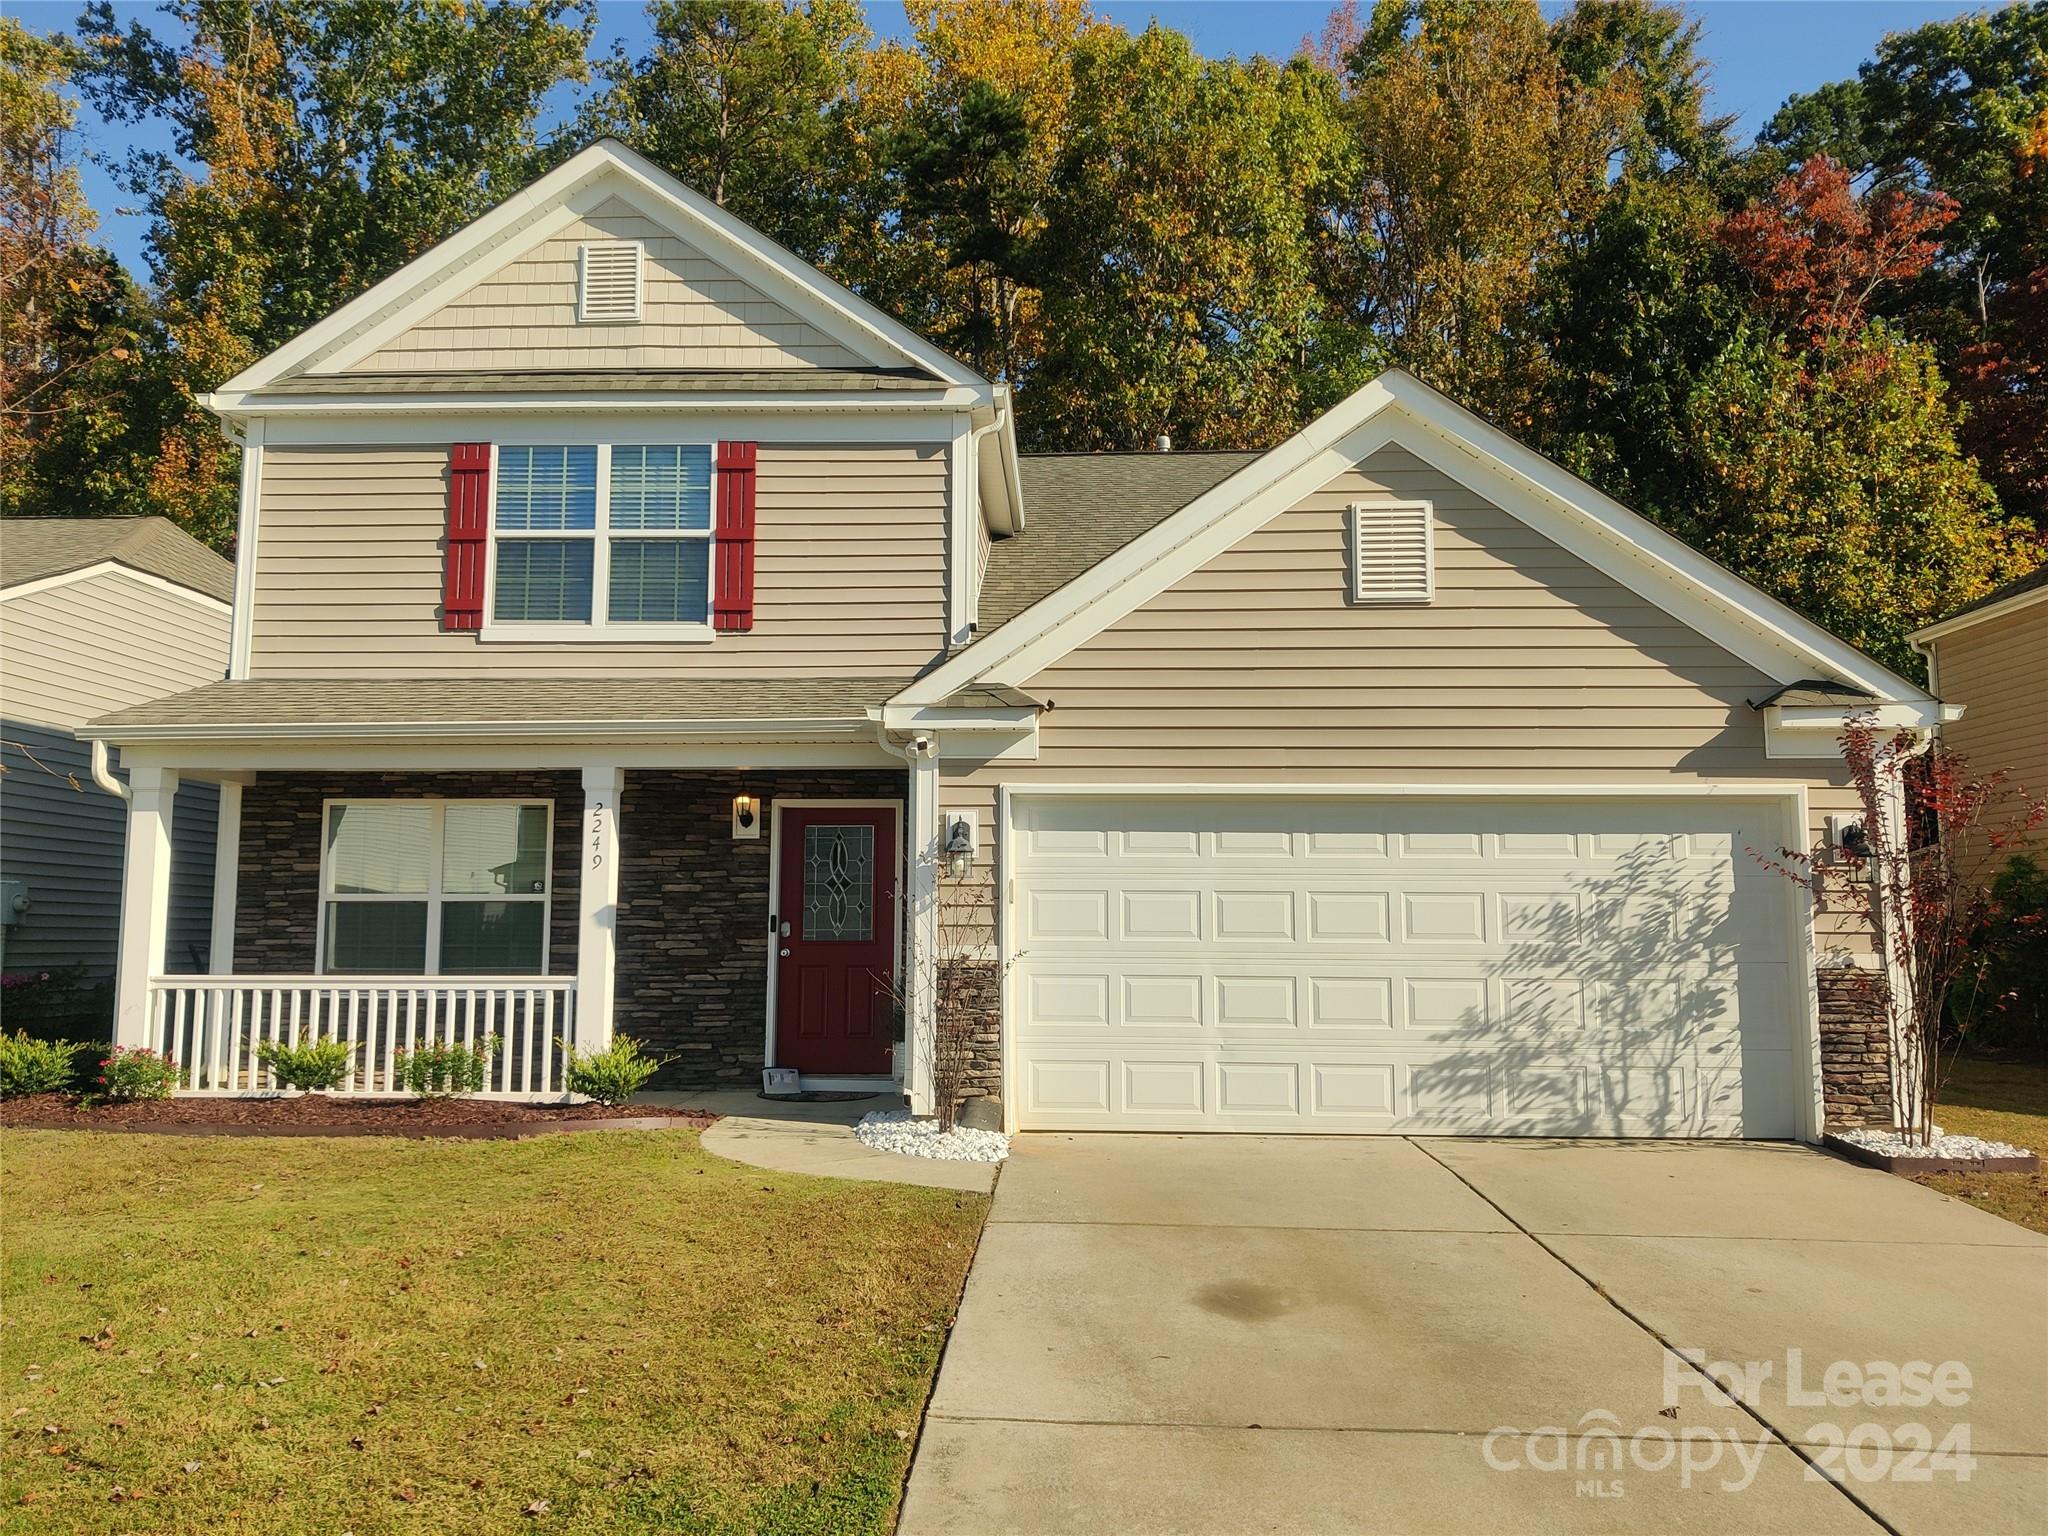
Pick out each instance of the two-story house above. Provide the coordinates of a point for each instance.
(637, 632)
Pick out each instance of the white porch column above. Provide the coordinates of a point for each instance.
(597, 906)
(921, 926)
(145, 899)
(227, 870)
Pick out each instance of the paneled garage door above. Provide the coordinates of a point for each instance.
(1533, 967)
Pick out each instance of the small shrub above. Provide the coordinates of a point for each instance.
(614, 1074)
(36, 1066)
(444, 1070)
(136, 1072)
(312, 1065)
(2015, 964)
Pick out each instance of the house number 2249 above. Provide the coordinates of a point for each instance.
(597, 815)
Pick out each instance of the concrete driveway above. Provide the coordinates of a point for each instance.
(1237, 1334)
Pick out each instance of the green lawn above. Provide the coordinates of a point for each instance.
(2001, 1101)
(590, 1333)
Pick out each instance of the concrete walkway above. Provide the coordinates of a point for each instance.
(815, 1138)
(1229, 1334)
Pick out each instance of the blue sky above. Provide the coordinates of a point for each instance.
(1761, 51)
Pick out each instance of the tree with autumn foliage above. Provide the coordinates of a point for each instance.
(1831, 478)
(73, 325)
(333, 143)
(1820, 255)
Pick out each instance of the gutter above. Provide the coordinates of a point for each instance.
(845, 727)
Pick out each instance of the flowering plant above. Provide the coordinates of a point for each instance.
(1921, 875)
(136, 1072)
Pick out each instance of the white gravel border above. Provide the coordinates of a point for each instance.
(897, 1130)
(1960, 1148)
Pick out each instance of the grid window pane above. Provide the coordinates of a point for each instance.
(660, 581)
(544, 579)
(481, 938)
(379, 848)
(489, 850)
(550, 489)
(377, 938)
(666, 486)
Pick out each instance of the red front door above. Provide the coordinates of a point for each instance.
(835, 939)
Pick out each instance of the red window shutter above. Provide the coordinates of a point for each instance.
(469, 515)
(732, 584)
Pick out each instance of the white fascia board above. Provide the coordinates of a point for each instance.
(1396, 408)
(526, 218)
(1813, 732)
(216, 759)
(1019, 721)
(1670, 789)
(457, 732)
(115, 568)
(427, 426)
(2004, 608)
(255, 405)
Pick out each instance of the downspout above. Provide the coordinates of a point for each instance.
(972, 617)
(103, 773)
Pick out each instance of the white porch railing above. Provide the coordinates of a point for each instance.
(212, 1026)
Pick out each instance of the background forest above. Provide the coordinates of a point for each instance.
(1819, 357)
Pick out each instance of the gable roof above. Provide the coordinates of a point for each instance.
(38, 548)
(1085, 507)
(1397, 408)
(603, 170)
(2028, 589)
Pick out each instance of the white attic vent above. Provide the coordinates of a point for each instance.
(1393, 552)
(609, 282)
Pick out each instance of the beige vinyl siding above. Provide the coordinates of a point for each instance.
(694, 314)
(68, 654)
(1530, 666)
(1998, 671)
(849, 572)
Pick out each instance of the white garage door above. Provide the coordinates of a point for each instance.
(1536, 967)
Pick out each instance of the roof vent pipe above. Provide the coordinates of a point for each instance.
(1162, 444)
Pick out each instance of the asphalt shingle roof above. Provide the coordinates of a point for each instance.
(32, 548)
(265, 702)
(1083, 507)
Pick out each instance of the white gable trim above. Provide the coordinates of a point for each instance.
(116, 568)
(565, 194)
(2003, 608)
(1398, 409)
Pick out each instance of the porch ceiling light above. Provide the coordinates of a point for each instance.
(959, 847)
(746, 816)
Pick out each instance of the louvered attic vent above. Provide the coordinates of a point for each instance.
(609, 285)
(1392, 552)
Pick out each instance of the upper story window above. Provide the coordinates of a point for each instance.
(613, 537)
(608, 284)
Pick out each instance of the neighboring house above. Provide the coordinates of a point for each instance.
(1992, 659)
(637, 632)
(97, 614)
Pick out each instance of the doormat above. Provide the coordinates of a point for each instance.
(815, 1096)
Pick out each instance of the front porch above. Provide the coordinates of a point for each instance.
(542, 910)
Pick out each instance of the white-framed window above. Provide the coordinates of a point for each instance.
(608, 282)
(1392, 551)
(600, 541)
(435, 887)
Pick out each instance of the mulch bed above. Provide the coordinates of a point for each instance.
(319, 1114)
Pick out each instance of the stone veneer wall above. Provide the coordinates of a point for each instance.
(1855, 1050)
(277, 896)
(693, 914)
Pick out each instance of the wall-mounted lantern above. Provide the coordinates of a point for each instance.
(746, 816)
(959, 846)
